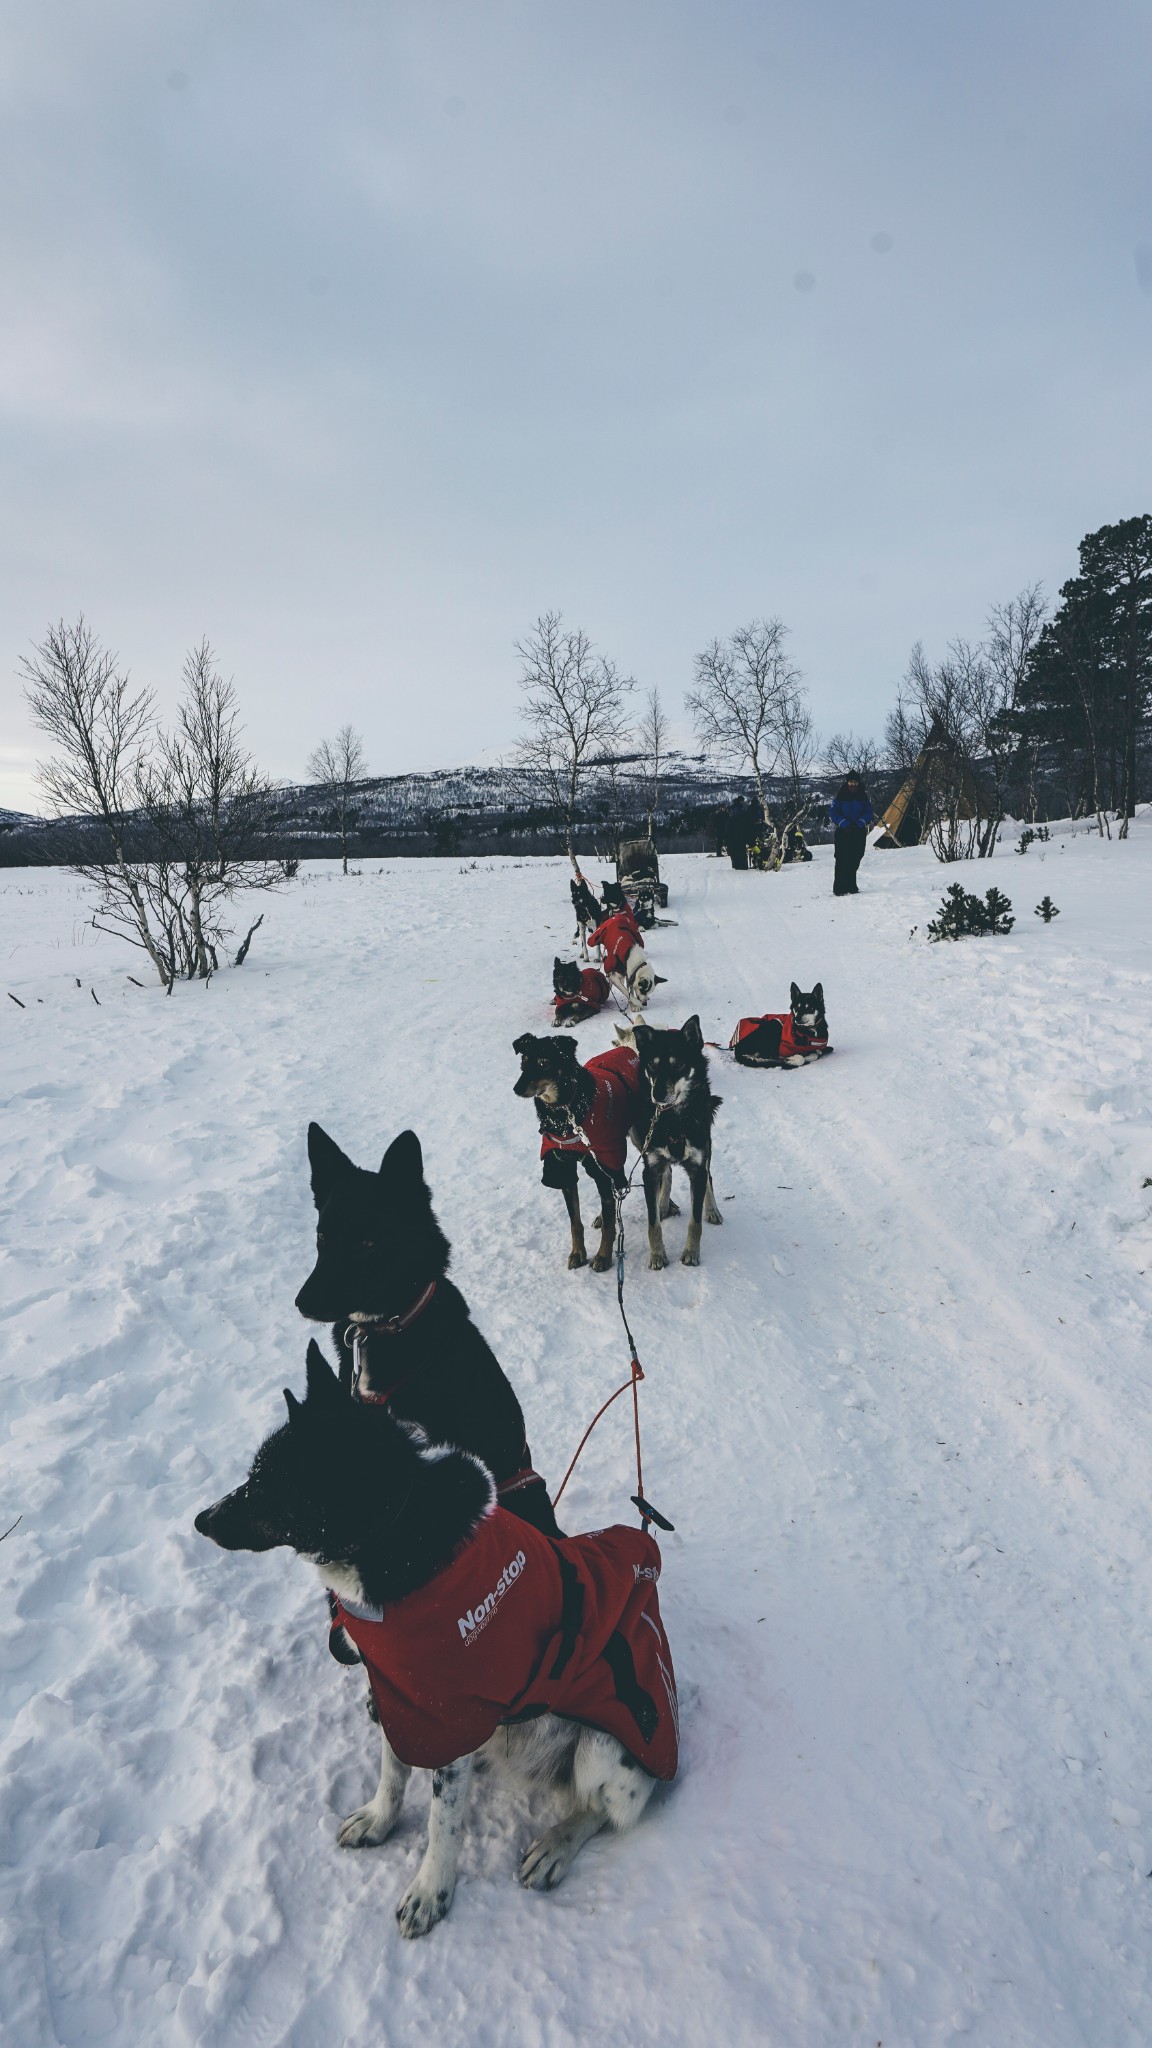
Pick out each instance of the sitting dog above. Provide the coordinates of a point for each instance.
(792, 1038)
(404, 1334)
(586, 1116)
(677, 1113)
(476, 1630)
(624, 959)
(577, 992)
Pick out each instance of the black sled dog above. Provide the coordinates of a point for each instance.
(404, 1333)
(790, 1038)
(478, 1632)
(577, 992)
(678, 1108)
(586, 1116)
(588, 912)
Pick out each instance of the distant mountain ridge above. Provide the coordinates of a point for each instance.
(468, 810)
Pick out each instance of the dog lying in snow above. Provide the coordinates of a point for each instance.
(677, 1113)
(624, 960)
(792, 1038)
(586, 1115)
(577, 992)
(403, 1332)
(478, 1632)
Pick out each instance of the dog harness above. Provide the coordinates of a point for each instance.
(594, 993)
(518, 1624)
(356, 1337)
(618, 934)
(604, 1131)
(795, 1041)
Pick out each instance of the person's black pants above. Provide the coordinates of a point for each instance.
(848, 847)
(738, 856)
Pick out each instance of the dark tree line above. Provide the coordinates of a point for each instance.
(1085, 696)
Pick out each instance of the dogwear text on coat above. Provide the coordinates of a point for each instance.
(516, 1625)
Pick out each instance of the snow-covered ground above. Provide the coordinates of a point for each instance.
(901, 1417)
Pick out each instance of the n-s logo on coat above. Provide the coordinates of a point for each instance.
(477, 1617)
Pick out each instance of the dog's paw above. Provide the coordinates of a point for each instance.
(576, 1259)
(673, 1209)
(601, 1262)
(547, 1863)
(421, 1907)
(690, 1256)
(657, 1260)
(366, 1828)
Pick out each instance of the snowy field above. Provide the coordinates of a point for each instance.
(901, 1417)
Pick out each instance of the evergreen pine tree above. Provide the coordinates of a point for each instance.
(1047, 910)
(997, 913)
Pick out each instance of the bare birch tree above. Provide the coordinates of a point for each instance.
(750, 707)
(168, 825)
(338, 765)
(103, 731)
(1014, 629)
(652, 736)
(572, 705)
(211, 814)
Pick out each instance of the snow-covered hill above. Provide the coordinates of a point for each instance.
(901, 1417)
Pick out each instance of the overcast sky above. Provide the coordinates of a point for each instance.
(353, 334)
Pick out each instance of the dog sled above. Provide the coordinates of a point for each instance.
(638, 874)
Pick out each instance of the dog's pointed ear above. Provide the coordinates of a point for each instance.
(404, 1160)
(294, 1408)
(641, 1033)
(693, 1033)
(795, 993)
(323, 1384)
(818, 993)
(328, 1163)
(522, 1044)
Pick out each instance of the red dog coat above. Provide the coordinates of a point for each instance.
(618, 934)
(790, 1045)
(594, 992)
(518, 1624)
(604, 1131)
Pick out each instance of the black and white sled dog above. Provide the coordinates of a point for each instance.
(588, 912)
(677, 1113)
(380, 1513)
(586, 1116)
(404, 1333)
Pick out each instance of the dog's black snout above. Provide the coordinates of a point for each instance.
(203, 1522)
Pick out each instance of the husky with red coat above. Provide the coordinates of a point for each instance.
(587, 1115)
(577, 992)
(479, 1633)
(792, 1038)
(623, 957)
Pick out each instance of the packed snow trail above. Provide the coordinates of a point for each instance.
(899, 1416)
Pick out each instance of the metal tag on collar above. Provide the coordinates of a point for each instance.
(354, 1336)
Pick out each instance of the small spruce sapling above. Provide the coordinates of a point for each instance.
(998, 918)
(953, 920)
(1047, 910)
(962, 916)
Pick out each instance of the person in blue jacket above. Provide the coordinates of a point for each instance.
(851, 814)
